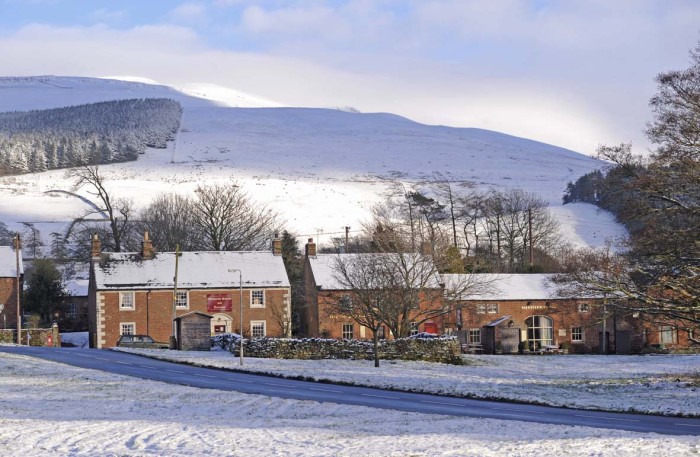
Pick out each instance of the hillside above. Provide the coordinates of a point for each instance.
(321, 168)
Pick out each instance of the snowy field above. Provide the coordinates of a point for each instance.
(304, 163)
(658, 384)
(50, 409)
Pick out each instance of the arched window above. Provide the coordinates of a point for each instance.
(539, 332)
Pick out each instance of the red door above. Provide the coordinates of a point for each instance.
(431, 327)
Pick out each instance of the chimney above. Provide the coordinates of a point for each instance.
(311, 248)
(147, 251)
(96, 245)
(426, 248)
(277, 245)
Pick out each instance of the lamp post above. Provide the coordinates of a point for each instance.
(240, 301)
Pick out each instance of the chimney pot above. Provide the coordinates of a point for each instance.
(96, 245)
(147, 251)
(311, 248)
(277, 246)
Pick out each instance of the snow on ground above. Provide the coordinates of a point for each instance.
(77, 339)
(52, 409)
(659, 384)
(305, 163)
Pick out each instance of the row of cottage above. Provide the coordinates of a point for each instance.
(147, 292)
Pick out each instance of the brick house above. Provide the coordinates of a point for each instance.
(525, 306)
(134, 292)
(8, 286)
(321, 289)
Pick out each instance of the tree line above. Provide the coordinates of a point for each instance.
(96, 133)
(658, 199)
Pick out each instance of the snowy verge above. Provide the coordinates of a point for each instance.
(50, 409)
(649, 384)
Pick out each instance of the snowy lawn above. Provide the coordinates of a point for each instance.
(50, 409)
(659, 384)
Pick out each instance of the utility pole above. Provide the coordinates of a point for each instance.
(347, 239)
(18, 248)
(529, 235)
(173, 338)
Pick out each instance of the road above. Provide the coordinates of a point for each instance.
(209, 378)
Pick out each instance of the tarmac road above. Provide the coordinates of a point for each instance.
(210, 378)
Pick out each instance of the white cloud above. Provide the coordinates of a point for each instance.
(189, 13)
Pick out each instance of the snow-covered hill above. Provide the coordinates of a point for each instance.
(321, 168)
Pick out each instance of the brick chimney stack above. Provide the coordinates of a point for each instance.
(277, 245)
(96, 245)
(311, 248)
(147, 251)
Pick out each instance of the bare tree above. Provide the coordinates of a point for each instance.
(169, 220)
(117, 211)
(228, 220)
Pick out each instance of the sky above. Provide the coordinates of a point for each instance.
(572, 73)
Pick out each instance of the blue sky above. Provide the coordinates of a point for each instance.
(573, 73)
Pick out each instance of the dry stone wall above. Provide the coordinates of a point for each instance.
(443, 349)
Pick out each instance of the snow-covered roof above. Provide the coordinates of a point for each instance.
(8, 262)
(77, 287)
(509, 286)
(323, 267)
(196, 270)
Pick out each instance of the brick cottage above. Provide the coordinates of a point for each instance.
(134, 293)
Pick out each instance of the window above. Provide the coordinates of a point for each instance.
(72, 311)
(487, 308)
(576, 333)
(257, 298)
(345, 302)
(381, 333)
(539, 332)
(474, 336)
(257, 329)
(584, 308)
(414, 329)
(348, 331)
(668, 335)
(127, 328)
(126, 300)
(181, 300)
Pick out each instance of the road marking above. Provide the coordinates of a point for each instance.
(440, 403)
(274, 385)
(520, 411)
(100, 358)
(509, 415)
(175, 371)
(325, 390)
(204, 375)
(688, 425)
(124, 363)
(607, 418)
(145, 366)
(379, 396)
(238, 380)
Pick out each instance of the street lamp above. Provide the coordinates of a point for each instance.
(240, 301)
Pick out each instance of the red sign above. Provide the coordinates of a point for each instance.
(219, 302)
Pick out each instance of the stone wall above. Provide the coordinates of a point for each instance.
(37, 336)
(443, 349)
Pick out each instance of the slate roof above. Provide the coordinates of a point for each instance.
(323, 267)
(196, 270)
(8, 262)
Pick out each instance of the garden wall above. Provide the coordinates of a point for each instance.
(442, 349)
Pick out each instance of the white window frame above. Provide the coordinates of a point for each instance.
(348, 331)
(577, 334)
(123, 306)
(666, 331)
(413, 330)
(584, 307)
(254, 292)
(124, 324)
(178, 300)
(253, 324)
(492, 308)
(474, 336)
(481, 308)
(345, 302)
